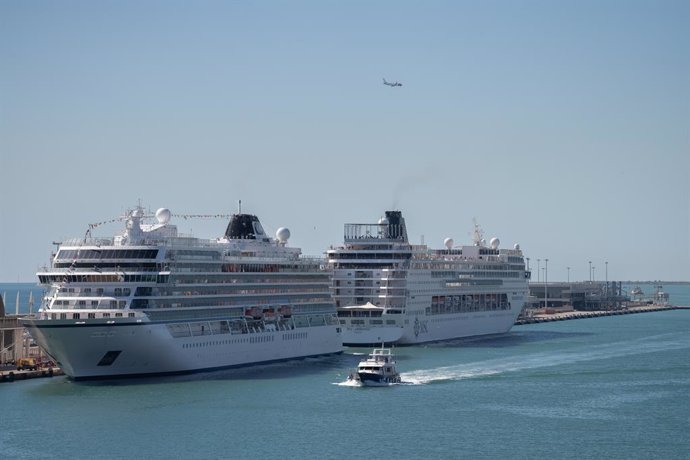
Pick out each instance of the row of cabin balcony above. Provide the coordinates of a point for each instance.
(92, 315)
(372, 282)
(320, 288)
(322, 301)
(100, 304)
(347, 293)
(177, 278)
(388, 279)
(192, 303)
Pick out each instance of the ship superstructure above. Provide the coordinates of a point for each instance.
(387, 290)
(151, 301)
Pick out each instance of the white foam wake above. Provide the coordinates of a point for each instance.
(644, 345)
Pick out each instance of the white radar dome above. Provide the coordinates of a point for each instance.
(516, 247)
(494, 243)
(448, 243)
(163, 215)
(283, 234)
(383, 221)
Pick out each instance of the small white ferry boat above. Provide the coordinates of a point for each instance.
(377, 370)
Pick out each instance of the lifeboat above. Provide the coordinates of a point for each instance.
(254, 313)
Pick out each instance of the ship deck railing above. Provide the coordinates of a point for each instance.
(171, 242)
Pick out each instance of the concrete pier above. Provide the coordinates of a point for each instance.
(575, 314)
(13, 375)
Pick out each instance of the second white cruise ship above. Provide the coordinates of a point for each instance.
(389, 291)
(149, 301)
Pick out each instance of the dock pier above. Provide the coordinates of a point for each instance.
(577, 314)
(13, 375)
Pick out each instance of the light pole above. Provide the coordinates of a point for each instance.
(593, 268)
(538, 270)
(607, 279)
(568, 274)
(546, 283)
(590, 271)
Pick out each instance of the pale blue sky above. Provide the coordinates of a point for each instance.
(561, 125)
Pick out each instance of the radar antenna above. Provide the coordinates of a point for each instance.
(162, 215)
(477, 233)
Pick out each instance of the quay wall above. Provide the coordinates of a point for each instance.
(13, 375)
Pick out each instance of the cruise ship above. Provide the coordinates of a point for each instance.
(387, 290)
(150, 301)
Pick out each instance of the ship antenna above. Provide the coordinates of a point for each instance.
(477, 234)
(240, 207)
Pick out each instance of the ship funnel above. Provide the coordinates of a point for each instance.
(396, 226)
(244, 227)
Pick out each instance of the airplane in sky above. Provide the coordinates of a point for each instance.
(387, 83)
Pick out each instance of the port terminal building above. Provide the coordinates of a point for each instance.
(582, 296)
(13, 343)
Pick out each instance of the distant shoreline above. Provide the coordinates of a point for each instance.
(657, 282)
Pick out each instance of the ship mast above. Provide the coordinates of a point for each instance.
(477, 234)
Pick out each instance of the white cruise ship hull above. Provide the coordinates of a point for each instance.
(131, 349)
(458, 326)
(375, 335)
(422, 328)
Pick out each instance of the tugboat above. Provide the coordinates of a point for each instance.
(377, 370)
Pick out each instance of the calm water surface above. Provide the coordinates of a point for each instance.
(611, 387)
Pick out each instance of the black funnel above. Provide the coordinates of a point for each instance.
(396, 225)
(244, 227)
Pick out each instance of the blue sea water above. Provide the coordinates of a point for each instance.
(612, 387)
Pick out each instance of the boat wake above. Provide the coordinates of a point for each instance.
(652, 344)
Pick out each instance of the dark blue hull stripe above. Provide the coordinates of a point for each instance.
(195, 371)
